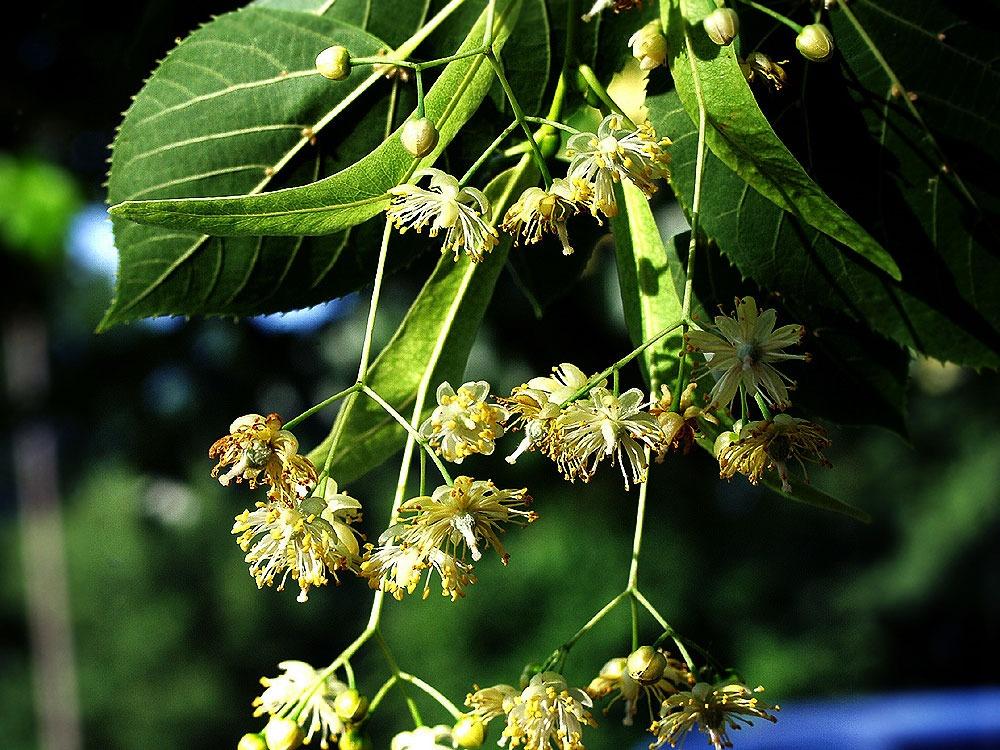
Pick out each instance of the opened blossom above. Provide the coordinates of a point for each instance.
(743, 352)
(614, 153)
(534, 406)
(463, 422)
(709, 709)
(602, 425)
(305, 540)
(548, 712)
(771, 444)
(541, 211)
(461, 213)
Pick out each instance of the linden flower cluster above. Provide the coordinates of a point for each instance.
(293, 533)
(743, 354)
(437, 533)
(548, 712)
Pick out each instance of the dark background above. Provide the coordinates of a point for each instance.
(169, 632)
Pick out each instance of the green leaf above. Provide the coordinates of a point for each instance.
(217, 113)
(740, 136)
(803, 492)
(527, 60)
(358, 192)
(430, 346)
(648, 277)
(814, 274)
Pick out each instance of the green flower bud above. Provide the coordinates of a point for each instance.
(334, 63)
(282, 734)
(251, 742)
(722, 26)
(352, 739)
(469, 731)
(350, 706)
(815, 43)
(419, 136)
(549, 145)
(646, 665)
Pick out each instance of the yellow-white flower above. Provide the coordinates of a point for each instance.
(742, 353)
(396, 568)
(713, 710)
(303, 690)
(535, 405)
(489, 703)
(766, 444)
(304, 539)
(602, 425)
(614, 678)
(462, 213)
(464, 515)
(424, 738)
(548, 712)
(540, 211)
(612, 154)
(463, 423)
(258, 450)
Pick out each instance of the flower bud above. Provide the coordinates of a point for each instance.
(646, 665)
(549, 145)
(352, 739)
(282, 734)
(251, 742)
(350, 706)
(529, 671)
(649, 46)
(469, 731)
(722, 26)
(334, 63)
(815, 43)
(419, 136)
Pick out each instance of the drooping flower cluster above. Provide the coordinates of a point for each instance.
(547, 713)
(771, 444)
(259, 451)
(742, 352)
(437, 533)
(713, 710)
(462, 213)
(305, 695)
(463, 423)
(614, 678)
(612, 154)
(303, 539)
